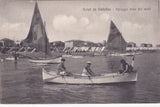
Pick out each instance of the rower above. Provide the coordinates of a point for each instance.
(62, 69)
(87, 70)
(125, 67)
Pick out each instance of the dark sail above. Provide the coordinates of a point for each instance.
(37, 36)
(115, 40)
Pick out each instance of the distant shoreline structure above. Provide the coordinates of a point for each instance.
(37, 41)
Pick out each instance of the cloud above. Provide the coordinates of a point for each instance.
(69, 23)
(94, 28)
(138, 33)
(63, 21)
(84, 21)
(13, 30)
(100, 25)
(104, 17)
(11, 26)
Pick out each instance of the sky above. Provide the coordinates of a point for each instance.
(137, 20)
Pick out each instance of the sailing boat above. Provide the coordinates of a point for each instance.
(37, 38)
(115, 42)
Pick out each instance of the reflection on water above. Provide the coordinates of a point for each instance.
(22, 82)
(90, 93)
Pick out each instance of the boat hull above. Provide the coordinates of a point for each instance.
(45, 61)
(105, 79)
(125, 54)
(71, 56)
(10, 58)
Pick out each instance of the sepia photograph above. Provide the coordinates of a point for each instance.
(79, 51)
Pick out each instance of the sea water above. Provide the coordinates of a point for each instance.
(21, 82)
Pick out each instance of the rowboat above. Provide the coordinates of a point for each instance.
(71, 56)
(125, 54)
(52, 77)
(77, 56)
(10, 58)
(46, 61)
(67, 56)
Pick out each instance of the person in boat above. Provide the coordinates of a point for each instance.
(124, 67)
(87, 70)
(62, 69)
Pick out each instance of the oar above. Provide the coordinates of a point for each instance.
(52, 78)
(64, 79)
(66, 84)
(43, 70)
(132, 63)
(90, 79)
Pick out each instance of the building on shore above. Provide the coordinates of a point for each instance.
(158, 46)
(83, 47)
(57, 46)
(18, 43)
(104, 43)
(131, 46)
(78, 43)
(7, 42)
(146, 45)
(1, 43)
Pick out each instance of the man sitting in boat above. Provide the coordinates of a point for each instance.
(124, 67)
(87, 70)
(62, 69)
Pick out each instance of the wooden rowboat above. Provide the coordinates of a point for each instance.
(125, 54)
(51, 77)
(10, 58)
(71, 56)
(46, 61)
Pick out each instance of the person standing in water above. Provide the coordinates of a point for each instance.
(15, 57)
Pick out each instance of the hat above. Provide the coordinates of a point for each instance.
(62, 59)
(122, 61)
(88, 62)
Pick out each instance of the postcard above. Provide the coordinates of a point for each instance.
(79, 51)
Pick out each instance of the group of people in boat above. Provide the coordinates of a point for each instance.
(87, 71)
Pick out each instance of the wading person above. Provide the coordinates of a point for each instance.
(87, 70)
(124, 66)
(62, 69)
(15, 57)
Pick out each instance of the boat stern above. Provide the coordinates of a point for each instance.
(45, 74)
